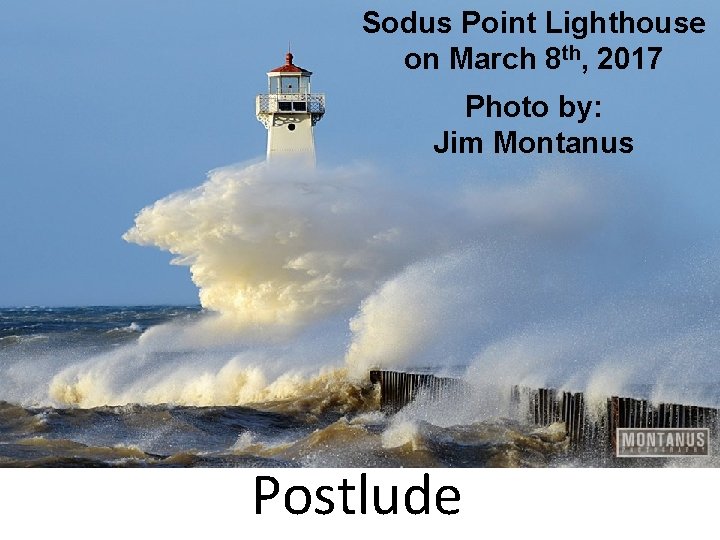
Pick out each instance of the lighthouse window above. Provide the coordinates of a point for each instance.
(289, 85)
(285, 105)
(291, 127)
(299, 106)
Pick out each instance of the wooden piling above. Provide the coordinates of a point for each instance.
(544, 406)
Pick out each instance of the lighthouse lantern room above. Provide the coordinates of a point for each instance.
(289, 111)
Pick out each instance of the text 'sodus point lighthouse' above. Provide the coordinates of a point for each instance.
(289, 111)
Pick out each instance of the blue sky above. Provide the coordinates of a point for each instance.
(107, 106)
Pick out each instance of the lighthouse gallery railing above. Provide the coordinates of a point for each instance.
(270, 103)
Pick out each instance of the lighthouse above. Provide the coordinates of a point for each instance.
(289, 111)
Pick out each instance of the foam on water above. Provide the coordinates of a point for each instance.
(310, 279)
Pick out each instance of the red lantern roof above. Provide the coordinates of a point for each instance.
(289, 67)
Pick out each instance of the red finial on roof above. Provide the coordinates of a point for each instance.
(289, 67)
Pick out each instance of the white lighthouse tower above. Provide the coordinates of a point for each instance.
(289, 111)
